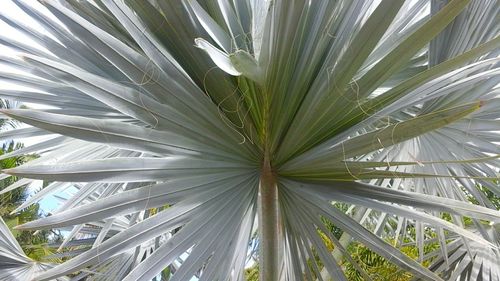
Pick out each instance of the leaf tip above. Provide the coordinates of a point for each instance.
(198, 43)
(7, 171)
(25, 226)
(19, 227)
(9, 112)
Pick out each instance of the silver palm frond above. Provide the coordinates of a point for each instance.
(185, 127)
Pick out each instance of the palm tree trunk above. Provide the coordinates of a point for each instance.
(269, 224)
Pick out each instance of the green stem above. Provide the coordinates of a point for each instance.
(269, 223)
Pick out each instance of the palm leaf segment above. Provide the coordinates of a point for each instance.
(180, 121)
(14, 263)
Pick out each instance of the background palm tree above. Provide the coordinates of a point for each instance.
(16, 265)
(187, 126)
(23, 254)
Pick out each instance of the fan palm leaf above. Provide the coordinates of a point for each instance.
(186, 126)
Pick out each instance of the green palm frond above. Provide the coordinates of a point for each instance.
(182, 128)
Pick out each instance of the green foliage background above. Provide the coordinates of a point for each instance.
(34, 244)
